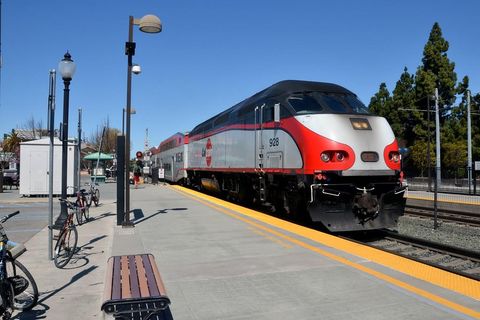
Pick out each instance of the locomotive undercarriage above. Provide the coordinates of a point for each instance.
(339, 203)
(357, 203)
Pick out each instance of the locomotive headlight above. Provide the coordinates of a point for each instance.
(394, 156)
(325, 156)
(360, 124)
(340, 156)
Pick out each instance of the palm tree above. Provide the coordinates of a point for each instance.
(12, 143)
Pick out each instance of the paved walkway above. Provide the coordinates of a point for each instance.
(217, 266)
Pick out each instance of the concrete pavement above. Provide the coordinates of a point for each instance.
(218, 266)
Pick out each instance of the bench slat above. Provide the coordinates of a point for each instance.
(107, 292)
(152, 287)
(126, 293)
(141, 278)
(135, 292)
(158, 279)
(160, 285)
(116, 290)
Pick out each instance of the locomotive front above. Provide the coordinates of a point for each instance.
(351, 158)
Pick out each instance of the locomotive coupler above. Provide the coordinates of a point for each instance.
(365, 205)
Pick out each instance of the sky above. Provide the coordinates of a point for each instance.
(212, 54)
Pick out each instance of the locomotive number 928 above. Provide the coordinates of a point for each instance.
(311, 149)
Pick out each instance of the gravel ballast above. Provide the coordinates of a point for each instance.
(451, 234)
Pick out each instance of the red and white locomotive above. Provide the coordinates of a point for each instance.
(308, 148)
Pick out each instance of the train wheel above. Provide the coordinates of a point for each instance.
(297, 205)
(281, 203)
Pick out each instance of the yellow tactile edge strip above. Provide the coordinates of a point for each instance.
(459, 284)
(443, 200)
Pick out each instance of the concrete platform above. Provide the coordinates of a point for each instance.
(221, 261)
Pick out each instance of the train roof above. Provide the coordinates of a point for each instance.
(280, 89)
(292, 86)
(287, 87)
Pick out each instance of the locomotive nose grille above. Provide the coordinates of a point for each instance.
(369, 156)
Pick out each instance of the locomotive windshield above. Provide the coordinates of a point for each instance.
(321, 102)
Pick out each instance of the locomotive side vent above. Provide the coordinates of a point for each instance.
(369, 156)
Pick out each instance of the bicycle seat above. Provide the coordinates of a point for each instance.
(83, 190)
(17, 250)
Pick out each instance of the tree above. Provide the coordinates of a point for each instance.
(407, 117)
(35, 127)
(437, 71)
(12, 143)
(454, 157)
(380, 103)
(109, 139)
(418, 156)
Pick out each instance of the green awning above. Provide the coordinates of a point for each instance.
(94, 156)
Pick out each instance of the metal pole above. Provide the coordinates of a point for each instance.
(120, 180)
(79, 148)
(123, 122)
(469, 144)
(130, 51)
(98, 158)
(437, 135)
(51, 128)
(66, 97)
(429, 161)
(437, 165)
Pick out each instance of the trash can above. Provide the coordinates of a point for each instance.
(154, 175)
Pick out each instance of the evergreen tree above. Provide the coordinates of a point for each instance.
(406, 117)
(437, 71)
(381, 103)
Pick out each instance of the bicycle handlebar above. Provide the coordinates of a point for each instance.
(8, 216)
(68, 203)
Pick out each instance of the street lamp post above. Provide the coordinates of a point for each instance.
(67, 69)
(148, 24)
(132, 111)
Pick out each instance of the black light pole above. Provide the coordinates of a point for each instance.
(428, 147)
(67, 69)
(148, 24)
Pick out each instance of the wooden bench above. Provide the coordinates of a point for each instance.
(134, 288)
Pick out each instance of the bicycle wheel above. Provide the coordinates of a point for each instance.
(79, 212)
(66, 246)
(89, 197)
(96, 199)
(86, 213)
(22, 280)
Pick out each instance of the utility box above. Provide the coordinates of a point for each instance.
(34, 166)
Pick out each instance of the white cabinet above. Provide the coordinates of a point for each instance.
(34, 165)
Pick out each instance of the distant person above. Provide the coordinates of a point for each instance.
(137, 172)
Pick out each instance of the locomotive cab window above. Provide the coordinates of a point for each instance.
(321, 102)
(304, 103)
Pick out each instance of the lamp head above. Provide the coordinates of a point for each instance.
(150, 24)
(67, 67)
(136, 69)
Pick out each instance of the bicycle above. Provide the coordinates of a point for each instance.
(93, 194)
(18, 290)
(82, 213)
(67, 238)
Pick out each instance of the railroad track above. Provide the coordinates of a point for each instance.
(468, 218)
(452, 259)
